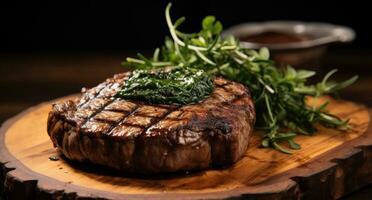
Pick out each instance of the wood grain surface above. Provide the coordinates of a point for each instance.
(329, 165)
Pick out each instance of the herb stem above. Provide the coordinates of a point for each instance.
(173, 32)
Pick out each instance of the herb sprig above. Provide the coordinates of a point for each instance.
(279, 94)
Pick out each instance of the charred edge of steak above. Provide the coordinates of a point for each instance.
(136, 137)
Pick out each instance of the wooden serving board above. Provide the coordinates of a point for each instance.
(329, 165)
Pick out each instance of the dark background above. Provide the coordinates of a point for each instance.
(54, 48)
(139, 24)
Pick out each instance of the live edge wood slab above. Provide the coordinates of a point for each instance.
(329, 165)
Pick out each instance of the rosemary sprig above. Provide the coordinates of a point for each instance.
(279, 94)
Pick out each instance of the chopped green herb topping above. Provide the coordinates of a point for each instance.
(53, 158)
(171, 86)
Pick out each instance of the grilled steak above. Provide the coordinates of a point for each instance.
(134, 136)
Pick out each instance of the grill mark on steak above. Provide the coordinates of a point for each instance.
(115, 124)
(96, 93)
(90, 118)
(105, 98)
(158, 119)
(99, 90)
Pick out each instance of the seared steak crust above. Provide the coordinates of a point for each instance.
(137, 137)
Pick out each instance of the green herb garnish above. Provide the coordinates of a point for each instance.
(279, 94)
(172, 86)
(53, 158)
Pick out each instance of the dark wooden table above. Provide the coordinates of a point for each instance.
(30, 78)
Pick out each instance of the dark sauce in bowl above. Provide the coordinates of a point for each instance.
(271, 37)
(300, 44)
(302, 57)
